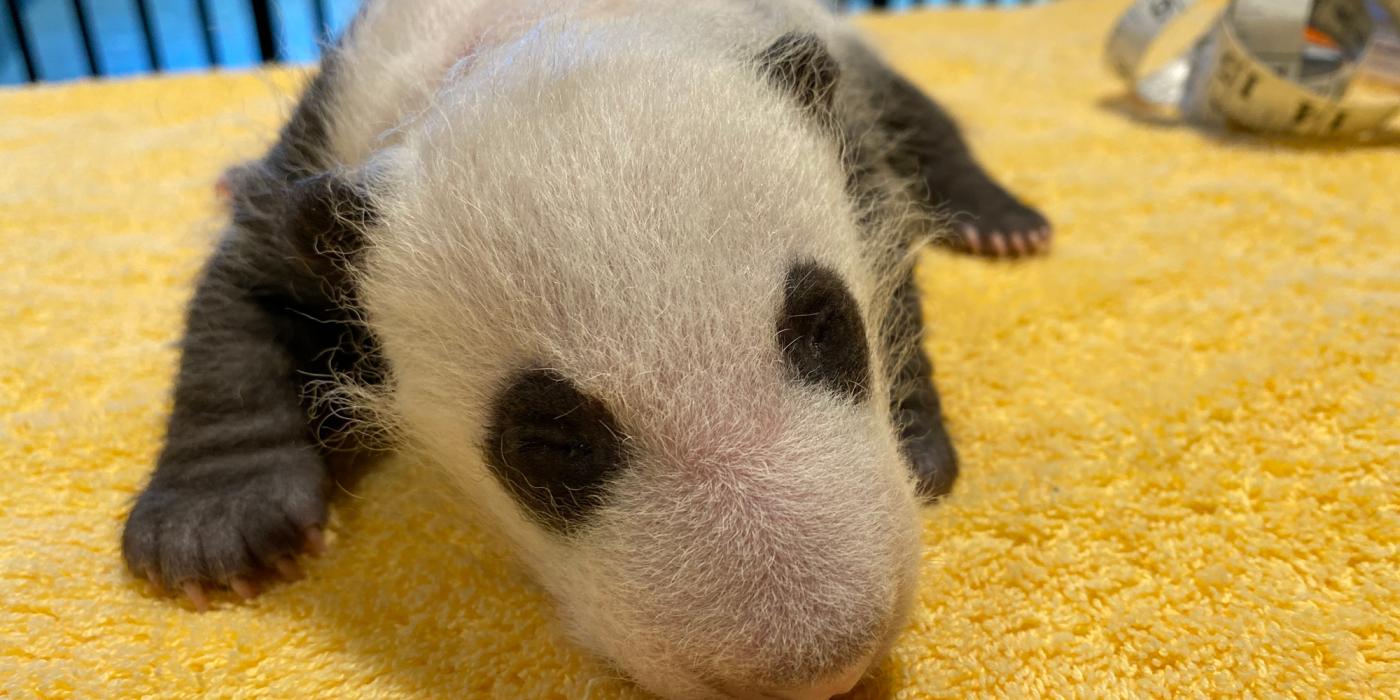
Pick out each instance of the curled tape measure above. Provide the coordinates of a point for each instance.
(1279, 66)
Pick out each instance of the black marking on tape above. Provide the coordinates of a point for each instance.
(1304, 109)
(1249, 82)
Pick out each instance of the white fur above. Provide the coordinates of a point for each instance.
(609, 189)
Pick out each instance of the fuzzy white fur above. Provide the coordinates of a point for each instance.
(608, 188)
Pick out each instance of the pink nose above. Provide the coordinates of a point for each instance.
(824, 689)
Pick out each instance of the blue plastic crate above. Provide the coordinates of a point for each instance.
(42, 40)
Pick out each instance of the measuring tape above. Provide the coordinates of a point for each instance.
(1280, 66)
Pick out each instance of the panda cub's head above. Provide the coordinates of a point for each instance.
(620, 291)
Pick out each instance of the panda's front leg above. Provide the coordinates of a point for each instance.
(914, 402)
(240, 487)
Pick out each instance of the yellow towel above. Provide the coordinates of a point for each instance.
(1181, 431)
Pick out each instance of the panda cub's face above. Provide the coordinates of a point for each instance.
(624, 305)
(745, 536)
(557, 449)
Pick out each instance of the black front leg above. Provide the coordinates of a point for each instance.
(240, 487)
(914, 402)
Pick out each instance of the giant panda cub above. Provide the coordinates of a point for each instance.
(635, 274)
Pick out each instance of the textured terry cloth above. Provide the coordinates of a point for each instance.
(1179, 431)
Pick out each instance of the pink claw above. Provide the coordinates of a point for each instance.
(999, 244)
(289, 569)
(970, 237)
(315, 541)
(195, 592)
(243, 588)
(1020, 242)
(223, 189)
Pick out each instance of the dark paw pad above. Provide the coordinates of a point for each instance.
(989, 221)
(226, 526)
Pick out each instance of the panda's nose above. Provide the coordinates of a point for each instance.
(826, 688)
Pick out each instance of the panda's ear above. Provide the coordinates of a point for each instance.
(800, 65)
(320, 220)
(326, 216)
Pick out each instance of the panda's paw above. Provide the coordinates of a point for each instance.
(225, 526)
(991, 222)
(932, 457)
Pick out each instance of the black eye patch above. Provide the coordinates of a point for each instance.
(821, 334)
(553, 447)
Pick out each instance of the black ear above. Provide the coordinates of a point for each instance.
(800, 64)
(319, 220)
(327, 215)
